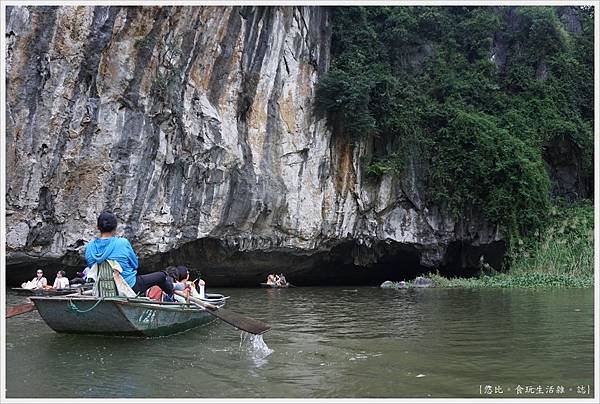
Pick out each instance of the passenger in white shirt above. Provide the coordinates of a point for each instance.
(61, 281)
(39, 282)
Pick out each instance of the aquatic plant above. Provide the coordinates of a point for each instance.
(525, 280)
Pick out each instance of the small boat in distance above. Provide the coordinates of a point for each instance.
(275, 281)
(52, 291)
(274, 285)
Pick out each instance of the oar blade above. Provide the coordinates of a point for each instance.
(20, 309)
(248, 324)
(244, 323)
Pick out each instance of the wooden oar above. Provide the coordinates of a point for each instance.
(20, 309)
(243, 323)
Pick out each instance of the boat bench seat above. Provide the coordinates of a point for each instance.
(106, 282)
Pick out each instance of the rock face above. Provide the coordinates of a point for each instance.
(197, 127)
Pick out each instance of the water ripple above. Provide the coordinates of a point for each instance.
(324, 342)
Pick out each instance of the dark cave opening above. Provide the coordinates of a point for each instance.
(344, 263)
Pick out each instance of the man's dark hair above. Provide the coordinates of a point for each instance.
(182, 272)
(107, 222)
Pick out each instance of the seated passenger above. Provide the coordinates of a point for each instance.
(61, 281)
(180, 277)
(189, 287)
(39, 282)
(110, 247)
(271, 279)
(196, 293)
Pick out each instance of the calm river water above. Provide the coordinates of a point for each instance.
(329, 343)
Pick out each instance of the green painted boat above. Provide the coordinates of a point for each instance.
(80, 314)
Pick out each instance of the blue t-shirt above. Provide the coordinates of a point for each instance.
(114, 248)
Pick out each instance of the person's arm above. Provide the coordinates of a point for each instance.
(89, 257)
(44, 281)
(179, 286)
(133, 259)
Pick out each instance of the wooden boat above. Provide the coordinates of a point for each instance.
(52, 292)
(273, 285)
(81, 314)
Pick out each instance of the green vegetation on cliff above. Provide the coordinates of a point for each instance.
(476, 93)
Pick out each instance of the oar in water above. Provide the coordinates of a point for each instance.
(243, 323)
(19, 309)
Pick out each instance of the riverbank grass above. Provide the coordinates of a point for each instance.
(529, 280)
(562, 255)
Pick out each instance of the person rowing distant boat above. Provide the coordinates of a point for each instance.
(271, 280)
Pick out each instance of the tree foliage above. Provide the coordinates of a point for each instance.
(432, 79)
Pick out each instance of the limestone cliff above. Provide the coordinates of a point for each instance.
(196, 126)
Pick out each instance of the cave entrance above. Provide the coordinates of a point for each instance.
(346, 263)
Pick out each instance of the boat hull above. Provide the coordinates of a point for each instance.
(50, 292)
(119, 316)
(272, 285)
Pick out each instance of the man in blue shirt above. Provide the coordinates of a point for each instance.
(110, 247)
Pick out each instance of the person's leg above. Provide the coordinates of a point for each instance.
(145, 282)
(77, 280)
